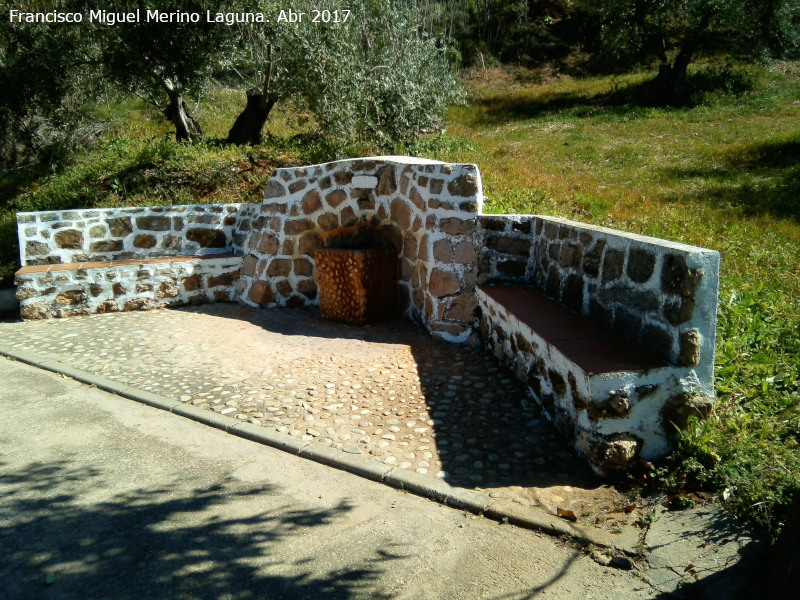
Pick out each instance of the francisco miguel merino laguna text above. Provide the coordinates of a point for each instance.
(157, 16)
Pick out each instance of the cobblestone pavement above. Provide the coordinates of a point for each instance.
(387, 391)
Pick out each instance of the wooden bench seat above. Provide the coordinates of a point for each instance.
(593, 348)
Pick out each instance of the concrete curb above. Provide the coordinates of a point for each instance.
(410, 481)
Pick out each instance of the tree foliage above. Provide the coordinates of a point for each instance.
(675, 31)
(377, 76)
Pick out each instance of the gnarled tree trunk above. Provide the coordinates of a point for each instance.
(186, 126)
(249, 124)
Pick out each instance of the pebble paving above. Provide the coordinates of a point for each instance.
(387, 391)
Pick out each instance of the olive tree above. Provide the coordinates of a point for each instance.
(676, 31)
(367, 71)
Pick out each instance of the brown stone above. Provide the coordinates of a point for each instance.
(311, 202)
(509, 245)
(465, 185)
(283, 287)
(97, 231)
(69, 239)
(274, 189)
(279, 267)
(261, 293)
(335, 198)
(613, 454)
(106, 246)
(657, 339)
(436, 186)
(465, 253)
(443, 251)
(268, 244)
(348, 216)
(387, 181)
(108, 306)
(308, 288)
(463, 308)
(328, 221)
(143, 287)
(416, 199)
(303, 267)
(178, 223)
(168, 289)
(297, 226)
(36, 310)
(221, 279)
(410, 249)
(308, 243)
(680, 408)
(118, 289)
(120, 227)
(401, 213)
(678, 310)
(207, 238)
(153, 223)
(690, 349)
(443, 283)
(138, 304)
(612, 265)
(72, 297)
(193, 282)
(454, 226)
(342, 177)
(296, 186)
(248, 268)
(144, 241)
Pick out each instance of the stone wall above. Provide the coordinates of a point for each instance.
(64, 291)
(427, 209)
(76, 236)
(659, 294)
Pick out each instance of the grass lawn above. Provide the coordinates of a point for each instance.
(723, 174)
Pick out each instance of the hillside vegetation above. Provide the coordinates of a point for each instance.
(723, 173)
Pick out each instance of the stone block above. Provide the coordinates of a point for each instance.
(193, 282)
(679, 310)
(328, 221)
(308, 243)
(465, 253)
(572, 296)
(223, 279)
(677, 278)
(571, 255)
(303, 267)
(387, 181)
(436, 186)
(311, 202)
(612, 265)
(641, 263)
(108, 306)
(512, 268)
(207, 238)
(71, 298)
(416, 199)
(657, 339)
(36, 249)
(279, 267)
(119, 289)
(308, 288)
(465, 185)
(297, 226)
(274, 189)
(509, 245)
(522, 226)
(297, 186)
(443, 251)
(342, 177)
(464, 309)
(443, 283)
(153, 223)
(283, 287)
(268, 244)
(248, 268)
(261, 293)
(138, 304)
(144, 241)
(401, 213)
(203, 219)
(69, 239)
(591, 259)
(689, 355)
(119, 226)
(456, 227)
(168, 289)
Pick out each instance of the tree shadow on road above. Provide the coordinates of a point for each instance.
(156, 543)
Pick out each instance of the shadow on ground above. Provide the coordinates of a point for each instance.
(487, 432)
(762, 179)
(158, 543)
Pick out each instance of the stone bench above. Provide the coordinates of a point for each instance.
(63, 290)
(613, 398)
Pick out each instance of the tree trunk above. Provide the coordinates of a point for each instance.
(249, 124)
(186, 126)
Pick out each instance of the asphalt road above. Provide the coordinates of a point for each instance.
(101, 497)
